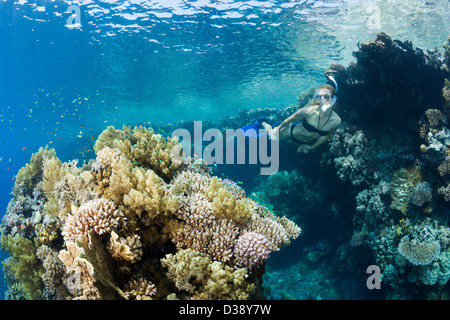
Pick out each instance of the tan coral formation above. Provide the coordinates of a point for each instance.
(141, 288)
(143, 146)
(129, 248)
(99, 215)
(135, 210)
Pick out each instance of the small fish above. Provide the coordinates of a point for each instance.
(22, 226)
(12, 177)
(24, 148)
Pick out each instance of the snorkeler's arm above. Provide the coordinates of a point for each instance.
(318, 142)
(299, 115)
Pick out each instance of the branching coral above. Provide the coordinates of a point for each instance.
(419, 253)
(406, 241)
(204, 232)
(140, 193)
(225, 283)
(148, 194)
(272, 229)
(197, 274)
(225, 205)
(189, 182)
(106, 157)
(99, 215)
(187, 268)
(143, 146)
(141, 288)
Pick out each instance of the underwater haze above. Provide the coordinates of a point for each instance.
(375, 193)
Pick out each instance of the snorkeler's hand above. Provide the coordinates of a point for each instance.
(304, 148)
(273, 133)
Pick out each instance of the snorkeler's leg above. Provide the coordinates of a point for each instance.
(275, 134)
(272, 132)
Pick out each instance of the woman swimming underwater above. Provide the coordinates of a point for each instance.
(311, 125)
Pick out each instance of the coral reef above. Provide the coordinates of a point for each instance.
(143, 146)
(133, 224)
(23, 265)
(195, 273)
(419, 253)
(99, 215)
(351, 153)
(373, 88)
(422, 193)
(400, 172)
(141, 288)
(252, 249)
(403, 185)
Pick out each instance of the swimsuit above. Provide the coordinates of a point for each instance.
(309, 128)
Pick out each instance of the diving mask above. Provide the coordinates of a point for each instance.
(323, 97)
(326, 99)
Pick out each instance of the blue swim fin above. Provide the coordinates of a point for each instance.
(256, 126)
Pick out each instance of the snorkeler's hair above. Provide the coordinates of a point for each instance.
(328, 87)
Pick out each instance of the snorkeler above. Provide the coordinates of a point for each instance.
(311, 125)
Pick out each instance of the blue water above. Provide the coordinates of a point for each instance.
(158, 62)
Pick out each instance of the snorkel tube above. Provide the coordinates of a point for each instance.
(336, 89)
(325, 107)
